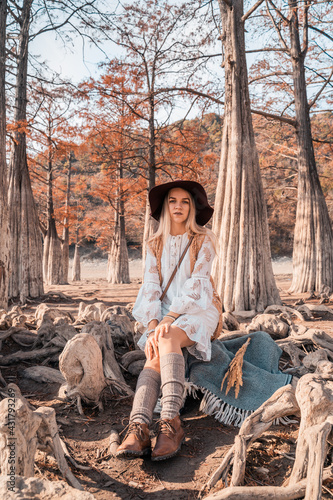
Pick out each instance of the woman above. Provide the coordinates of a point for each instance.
(186, 317)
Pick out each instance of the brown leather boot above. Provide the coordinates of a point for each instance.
(136, 442)
(169, 439)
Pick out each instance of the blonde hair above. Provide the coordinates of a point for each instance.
(191, 225)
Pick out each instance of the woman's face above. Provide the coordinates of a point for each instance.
(179, 205)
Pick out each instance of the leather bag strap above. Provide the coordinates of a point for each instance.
(176, 268)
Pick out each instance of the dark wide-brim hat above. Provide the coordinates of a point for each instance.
(158, 193)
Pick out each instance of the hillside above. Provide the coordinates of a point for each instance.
(277, 155)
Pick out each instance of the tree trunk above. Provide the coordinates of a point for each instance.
(26, 242)
(65, 234)
(118, 267)
(151, 225)
(313, 239)
(4, 227)
(243, 273)
(53, 257)
(76, 271)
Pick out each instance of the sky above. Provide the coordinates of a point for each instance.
(75, 60)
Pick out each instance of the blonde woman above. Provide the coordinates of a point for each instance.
(178, 305)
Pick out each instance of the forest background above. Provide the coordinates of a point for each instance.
(77, 158)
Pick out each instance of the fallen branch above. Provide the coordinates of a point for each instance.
(27, 355)
(266, 492)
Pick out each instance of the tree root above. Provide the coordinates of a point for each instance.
(267, 492)
(313, 400)
(27, 355)
(33, 429)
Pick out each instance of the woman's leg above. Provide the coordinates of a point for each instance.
(137, 441)
(172, 368)
(146, 394)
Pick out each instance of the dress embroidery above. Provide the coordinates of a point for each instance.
(191, 295)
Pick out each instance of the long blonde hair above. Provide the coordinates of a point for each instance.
(191, 225)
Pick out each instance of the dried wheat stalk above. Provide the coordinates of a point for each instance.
(234, 373)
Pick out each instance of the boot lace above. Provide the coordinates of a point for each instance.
(165, 427)
(136, 429)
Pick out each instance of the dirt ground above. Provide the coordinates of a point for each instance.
(269, 462)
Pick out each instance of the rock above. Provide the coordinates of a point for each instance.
(41, 489)
(270, 324)
(311, 360)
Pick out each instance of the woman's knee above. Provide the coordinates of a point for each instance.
(170, 338)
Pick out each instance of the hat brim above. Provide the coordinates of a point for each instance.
(158, 193)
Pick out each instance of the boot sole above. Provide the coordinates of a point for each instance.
(170, 455)
(133, 454)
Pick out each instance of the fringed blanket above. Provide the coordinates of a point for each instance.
(261, 377)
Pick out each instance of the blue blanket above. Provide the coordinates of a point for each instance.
(261, 377)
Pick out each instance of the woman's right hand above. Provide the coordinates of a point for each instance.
(151, 347)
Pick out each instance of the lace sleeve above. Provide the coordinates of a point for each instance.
(148, 305)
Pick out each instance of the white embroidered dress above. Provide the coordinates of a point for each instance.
(190, 295)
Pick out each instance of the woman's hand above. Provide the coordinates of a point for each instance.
(162, 329)
(151, 347)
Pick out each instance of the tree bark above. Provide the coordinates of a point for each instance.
(313, 239)
(118, 266)
(243, 273)
(26, 242)
(76, 271)
(4, 226)
(65, 234)
(151, 225)
(53, 257)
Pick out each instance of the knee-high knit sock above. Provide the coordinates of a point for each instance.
(146, 395)
(172, 367)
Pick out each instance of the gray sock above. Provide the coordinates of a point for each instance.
(145, 397)
(172, 381)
